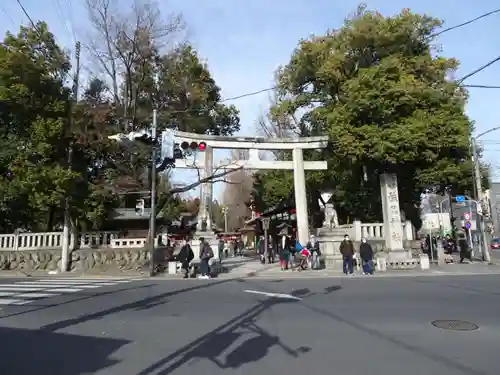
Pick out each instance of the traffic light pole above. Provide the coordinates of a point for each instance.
(152, 219)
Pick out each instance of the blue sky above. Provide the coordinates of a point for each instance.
(245, 41)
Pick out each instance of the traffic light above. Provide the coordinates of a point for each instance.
(193, 146)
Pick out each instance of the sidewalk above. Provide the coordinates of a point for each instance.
(254, 269)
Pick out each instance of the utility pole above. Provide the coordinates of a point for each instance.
(66, 241)
(480, 197)
(152, 219)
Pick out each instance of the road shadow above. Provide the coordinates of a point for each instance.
(142, 304)
(331, 289)
(28, 352)
(212, 345)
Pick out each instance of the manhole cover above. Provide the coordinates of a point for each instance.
(455, 325)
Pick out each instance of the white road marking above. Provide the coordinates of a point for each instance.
(37, 295)
(83, 281)
(59, 282)
(274, 295)
(65, 290)
(22, 292)
(6, 294)
(20, 288)
(18, 302)
(59, 285)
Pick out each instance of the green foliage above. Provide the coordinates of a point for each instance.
(385, 100)
(33, 119)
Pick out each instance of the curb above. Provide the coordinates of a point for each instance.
(305, 276)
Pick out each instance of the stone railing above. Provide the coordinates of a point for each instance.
(370, 231)
(31, 241)
(53, 241)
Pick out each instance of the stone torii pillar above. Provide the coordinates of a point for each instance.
(254, 144)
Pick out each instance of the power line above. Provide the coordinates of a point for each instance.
(480, 69)
(54, 45)
(484, 15)
(249, 94)
(481, 86)
(27, 15)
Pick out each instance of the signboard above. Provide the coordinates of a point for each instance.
(459, 198)
(467, 216)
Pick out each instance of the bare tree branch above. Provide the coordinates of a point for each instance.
(124, 44)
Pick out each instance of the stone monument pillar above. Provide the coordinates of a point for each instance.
(299, 180)
(206, 193)
(393, 228)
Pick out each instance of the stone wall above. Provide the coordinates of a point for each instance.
(95, 260)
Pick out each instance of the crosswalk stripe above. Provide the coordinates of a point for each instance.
(55, 282)
(23, 292)
(21, 288)
(66, 290)
(8, 301)
(37, 295)
(79, 280)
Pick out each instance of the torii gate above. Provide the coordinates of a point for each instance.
(255, 144)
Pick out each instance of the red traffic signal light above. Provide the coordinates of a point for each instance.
(202, 146)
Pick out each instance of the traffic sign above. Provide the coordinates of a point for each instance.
(467, 216)
(467, 225)
(459, 198)
(326, 196)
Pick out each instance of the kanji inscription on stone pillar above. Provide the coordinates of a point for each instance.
(393, 228)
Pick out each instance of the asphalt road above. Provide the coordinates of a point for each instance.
(333, 326)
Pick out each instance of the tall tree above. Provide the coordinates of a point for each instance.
(34, 112)
(188, 97)
(377, 88)
(124, 45)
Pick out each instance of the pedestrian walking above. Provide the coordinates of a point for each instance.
(347, 251)
(366, 255)
(465, 251)
(206, 253)
(185, 256)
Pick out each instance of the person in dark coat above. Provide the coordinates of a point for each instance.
(347, 251)
(185, 256)
(465, 252)
(284, 251)
(366, 255)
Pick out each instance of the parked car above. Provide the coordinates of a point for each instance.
(495, 244)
